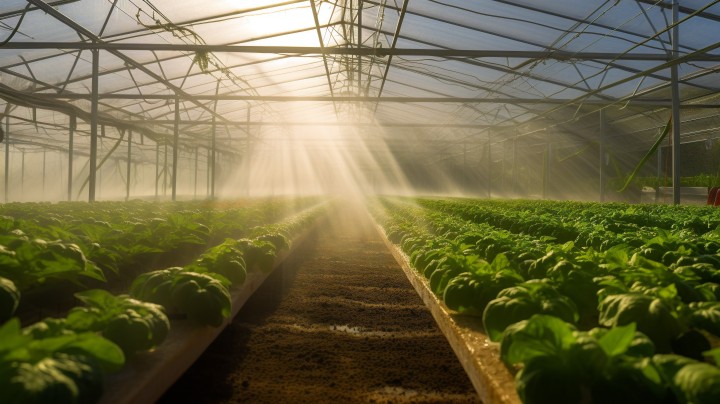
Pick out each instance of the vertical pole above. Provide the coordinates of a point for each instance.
(601, 161)
(514, 168)
(71, 146)
(248, 152)
(546, 169)
(212, 151)
(197, 151)
(359, 45)
(93, 124)
(489, 169)
(22, 176)
(7, 155)
(43, 173)
(165, 170)
(212, 159)
(503, 173)
(129, 161)
(466, 178)
(207, 175)
(176, 142)
(157, 167)
(675, 106)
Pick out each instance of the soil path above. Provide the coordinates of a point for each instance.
(340, 323)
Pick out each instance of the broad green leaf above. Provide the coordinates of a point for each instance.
(97, 298)
(541, 335)
(714, 354)
(11, 337)
(616, 341)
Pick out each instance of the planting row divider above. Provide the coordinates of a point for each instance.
(147, 375)
(479, 356)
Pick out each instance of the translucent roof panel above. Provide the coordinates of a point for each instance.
(500, 62)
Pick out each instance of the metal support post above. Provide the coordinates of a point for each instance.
(71, 150)
(515, 168)
(157, 167)
(675, 87)
(7, 156)
(207, 175)
(22, 176)
(212, 159)
(197, 151)
(93, 124)
(546, 170)
(165, 170)
(44, 165)
(129, 161)
(489, 169)
(601, 161)
(176, 142)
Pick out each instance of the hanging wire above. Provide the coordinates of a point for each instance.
(17, 26)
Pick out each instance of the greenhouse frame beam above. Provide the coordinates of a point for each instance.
(379, 52)
(20, 12)
(510, 70)
(684, 10)
(322, 98)
(98, 44)
(393, 46)
(345, 123)
(322, 46)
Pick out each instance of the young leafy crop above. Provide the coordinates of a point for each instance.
(651, 268)
(29, 263)
(51, 364)
(203, 298)
(560, 364)
(225, 259)
(132, 324)
(9, 299)
(521, 302)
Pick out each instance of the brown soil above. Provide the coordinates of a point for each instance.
(340, 323)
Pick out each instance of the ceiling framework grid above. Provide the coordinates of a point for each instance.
(512, 68)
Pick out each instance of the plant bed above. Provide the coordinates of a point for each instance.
(615, 302)
(339, 323)
(146, 376)
(479, 356)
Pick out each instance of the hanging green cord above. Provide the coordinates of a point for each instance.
(647, 156)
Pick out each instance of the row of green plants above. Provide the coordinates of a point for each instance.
(113, 236)
(51, 249)
(65, 359)
(701, 180)
(590, 302)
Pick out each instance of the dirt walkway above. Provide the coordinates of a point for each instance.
(348, 327)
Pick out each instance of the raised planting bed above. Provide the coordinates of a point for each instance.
(479, 356)
(147, 375)
(113, 343)
(610, 303)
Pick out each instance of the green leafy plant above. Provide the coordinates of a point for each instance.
(57, 367)
(203, 298)
(132, 324)
(29, 263)
(9, 299)
(522, 302)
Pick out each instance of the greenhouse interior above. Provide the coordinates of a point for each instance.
(426, 201)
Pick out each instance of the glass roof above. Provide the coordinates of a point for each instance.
(485, 69)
